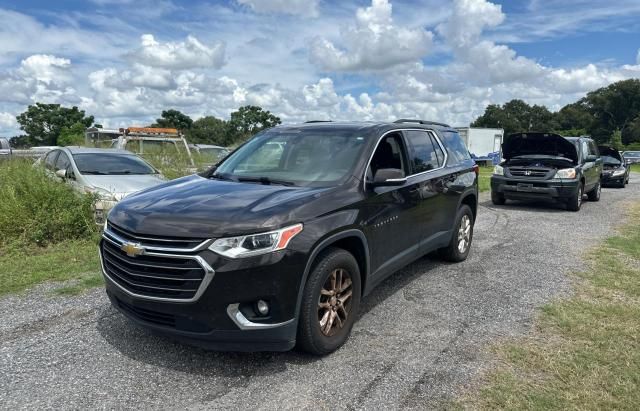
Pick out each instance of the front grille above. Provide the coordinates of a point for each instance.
(165, 242)
(164, 272)
(528, 172)
(154, 317)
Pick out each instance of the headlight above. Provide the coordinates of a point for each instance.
(255, 244)
(566, 173)
(498, 171)
(619, 172)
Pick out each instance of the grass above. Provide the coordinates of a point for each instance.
(635, 167)
(21, 269)
(484, 182)
(38, 210)
(585, 352)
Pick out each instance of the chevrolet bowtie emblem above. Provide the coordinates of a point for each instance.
(132, 249)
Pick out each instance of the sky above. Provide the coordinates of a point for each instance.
(124, 61)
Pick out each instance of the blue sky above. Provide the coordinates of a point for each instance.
(125, 61)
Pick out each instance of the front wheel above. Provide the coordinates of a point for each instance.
(330, 302)
(497, 198)
(594, 195)
(575, 202)
(458, 248)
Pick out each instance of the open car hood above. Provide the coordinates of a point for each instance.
(610, 151)
(547, 144)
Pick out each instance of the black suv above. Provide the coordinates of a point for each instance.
(278, 243)
(547, 166)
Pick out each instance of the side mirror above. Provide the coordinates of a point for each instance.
(388, 177)
(62, 173)
(591, 158)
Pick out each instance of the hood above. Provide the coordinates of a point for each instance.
(546, 144)
(198, 207)
(611, 152)
(123, 185)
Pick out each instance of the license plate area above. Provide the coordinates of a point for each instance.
(526, 187)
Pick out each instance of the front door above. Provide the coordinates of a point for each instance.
(390, 212)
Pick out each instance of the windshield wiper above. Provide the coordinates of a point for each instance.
(219, 176)
(94, 172)
(265, 181)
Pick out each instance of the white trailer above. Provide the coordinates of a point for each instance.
(482, 143)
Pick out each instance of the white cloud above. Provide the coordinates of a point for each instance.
(46, 68)
(373, 43)
(308, 8)
(7, 121)
(187, 54)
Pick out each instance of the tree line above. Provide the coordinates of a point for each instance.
(610, 115)
(53, 125)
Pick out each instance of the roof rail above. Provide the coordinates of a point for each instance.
(318, 121)
(415, 120)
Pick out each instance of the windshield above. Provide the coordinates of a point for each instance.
(611, 160)
(111, 164)
(631, 153)
(299, 157)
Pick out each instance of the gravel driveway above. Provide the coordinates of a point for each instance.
(421, 338)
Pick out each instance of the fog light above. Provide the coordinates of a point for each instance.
(262, 307)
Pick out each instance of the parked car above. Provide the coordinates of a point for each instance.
(632, 157)
(547, 166)
(210, 154)
(108, 173)
(6, 151)
(245, 258)
(615, 170)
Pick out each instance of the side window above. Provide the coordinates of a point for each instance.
(50, 159)
(62, 162)
(585, 150)
(390, 153)
(458, 152)
(425, 152)
(593, 149)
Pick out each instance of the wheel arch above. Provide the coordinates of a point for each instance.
(470, 199)
(352, 240)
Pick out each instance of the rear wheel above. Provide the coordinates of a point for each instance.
(576, 201)
(458, 248)
(330, 302)
(594, 195)
(497, 198)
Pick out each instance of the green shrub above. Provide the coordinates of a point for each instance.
(38, 210)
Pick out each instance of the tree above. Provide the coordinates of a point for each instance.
(19, 141)
(174, 119)
(616, 140)
(249, 120)
(573, 120)
(516, 116)
(43, 122)
(72, 136)
(210, 130)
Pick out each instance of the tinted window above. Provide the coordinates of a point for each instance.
(50, 159)
(62, 163)
(593, 150)
(102, 163)
(302, 157)
(455, 147)
(425, 153)
(389, 154)
(585, 149)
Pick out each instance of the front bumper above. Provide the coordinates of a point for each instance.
(221, 317)
(609, 178)
(534, 189)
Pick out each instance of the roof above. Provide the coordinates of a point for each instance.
(91, 150)
(365, 126)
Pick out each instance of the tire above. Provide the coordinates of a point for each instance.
(594, 195)
(575, 202)
(497, 198)
(316, 303)
(455, 252)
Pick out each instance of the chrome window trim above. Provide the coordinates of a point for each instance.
(111, 236)
(208, 276)
(426, 130)
(233, 311)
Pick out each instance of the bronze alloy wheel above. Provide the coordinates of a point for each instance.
(334, 304)
(464, 233)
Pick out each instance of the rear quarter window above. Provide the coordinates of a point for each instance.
(456, 149)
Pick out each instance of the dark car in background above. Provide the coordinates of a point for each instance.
(277, 245)
(632, 157)
(615, 169)
(547, 166)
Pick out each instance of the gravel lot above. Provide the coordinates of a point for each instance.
(421, 339)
